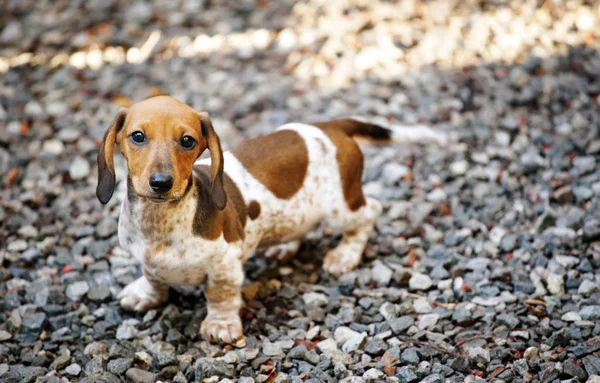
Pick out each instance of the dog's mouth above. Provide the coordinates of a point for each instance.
(157, 199)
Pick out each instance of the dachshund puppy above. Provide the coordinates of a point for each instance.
(191, 221)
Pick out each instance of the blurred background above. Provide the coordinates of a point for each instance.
(507, 212)
(66, 67)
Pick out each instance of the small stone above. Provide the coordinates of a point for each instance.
(4, 335)
(508, 320)
(519, 77)
(271, 349)
(382, 274)
(508, 243)
(531, 352)
(436, 195)
(342, 334)
(375, 347)
(373, 374)
(313, 333)
(354, 343)
(459, 168)
(75, 291)
(394, 172)
(327, 345)
(420, 282)
(406, 374)
(127, 329)
(180, 378)
(99, 293)
(34, 322)
(17, 246)
(520, 367)
(95, 365)
(427, 321)
(591, 365)
(421, 306)
(143, 357)
(53, 147)
(313, 298)
(96, 349)
(106, 227)
(166, 358)
(480, 355)
(208, 367)
(571, 368)
(119, 366)
(590, 312)
(79, 169)
(587, 287)
(410, 356)
(401, 324)
(60, 362)
(582, 193)
(137, 375)
(12, 32)
(556, 284)
(73, 369)
(461, 364)
(571, 316)
(561, 337)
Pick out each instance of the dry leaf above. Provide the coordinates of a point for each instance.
(24, 128)
(12, 175)
(272, 376)
(389, 365)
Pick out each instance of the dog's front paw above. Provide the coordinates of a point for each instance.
(340, 260)
(142, 296)
(220, 328)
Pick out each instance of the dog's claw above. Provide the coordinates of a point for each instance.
(227, 331)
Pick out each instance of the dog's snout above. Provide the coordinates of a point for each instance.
(161, 183)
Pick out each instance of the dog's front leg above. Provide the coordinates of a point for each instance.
(223, 301)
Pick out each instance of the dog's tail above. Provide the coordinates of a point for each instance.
(378, 133)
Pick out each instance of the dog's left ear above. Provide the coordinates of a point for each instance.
(106, 165)
(216, 160)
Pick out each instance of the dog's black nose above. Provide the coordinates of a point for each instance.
(161, 183)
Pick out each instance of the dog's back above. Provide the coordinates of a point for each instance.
(301, 175)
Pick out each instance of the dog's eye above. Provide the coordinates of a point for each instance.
(138, 137)
(188, 142)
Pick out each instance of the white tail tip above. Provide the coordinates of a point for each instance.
(417, 133)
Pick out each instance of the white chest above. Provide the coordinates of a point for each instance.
(172, 254)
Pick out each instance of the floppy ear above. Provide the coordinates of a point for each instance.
(216, 161)
(106, 165)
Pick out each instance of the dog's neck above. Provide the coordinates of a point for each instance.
(158, 213)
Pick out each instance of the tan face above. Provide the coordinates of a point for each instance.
(161, 138)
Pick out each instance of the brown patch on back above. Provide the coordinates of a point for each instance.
(350, 162)
(209, 221)
(253, 210)
(278, 160)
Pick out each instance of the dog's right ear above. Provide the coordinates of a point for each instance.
(106, 165)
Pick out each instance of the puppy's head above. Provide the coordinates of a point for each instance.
(161, 138)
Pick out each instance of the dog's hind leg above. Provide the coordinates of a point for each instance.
(283, 252)
(357, 227)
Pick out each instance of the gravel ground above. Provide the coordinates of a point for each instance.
(485, 265)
